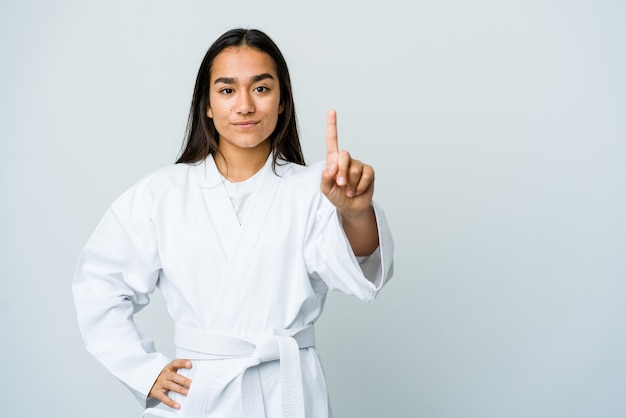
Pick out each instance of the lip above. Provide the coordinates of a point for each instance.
(246, 123)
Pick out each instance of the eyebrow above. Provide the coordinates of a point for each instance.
(254, 79)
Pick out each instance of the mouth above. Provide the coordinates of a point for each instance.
(246, 124)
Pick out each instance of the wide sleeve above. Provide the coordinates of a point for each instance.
(331, 259)
(117, 270)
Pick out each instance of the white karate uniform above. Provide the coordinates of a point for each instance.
(244, 287)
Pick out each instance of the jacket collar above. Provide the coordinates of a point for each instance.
(207, 176)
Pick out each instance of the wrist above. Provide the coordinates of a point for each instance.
(351, 215)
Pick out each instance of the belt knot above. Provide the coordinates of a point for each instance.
(281, 345)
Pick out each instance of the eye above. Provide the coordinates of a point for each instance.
(261, 89)
(226, 91)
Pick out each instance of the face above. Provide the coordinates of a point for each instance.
(244, 98)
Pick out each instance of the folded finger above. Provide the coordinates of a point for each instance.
(354, 177)
(366, 180)
(343, 165)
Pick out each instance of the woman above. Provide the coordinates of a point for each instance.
(244, 241)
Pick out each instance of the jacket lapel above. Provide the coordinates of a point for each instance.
(238, 241)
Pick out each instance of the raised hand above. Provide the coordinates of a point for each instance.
(349, 186)
(170, 380)
(347, 183)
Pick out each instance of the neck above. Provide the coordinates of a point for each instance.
(241, 164)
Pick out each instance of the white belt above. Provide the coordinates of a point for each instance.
(282, 345)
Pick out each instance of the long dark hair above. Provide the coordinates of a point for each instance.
(201, 137)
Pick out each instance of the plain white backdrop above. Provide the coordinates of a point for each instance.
(498, 133)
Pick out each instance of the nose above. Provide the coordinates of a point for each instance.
(244, 103)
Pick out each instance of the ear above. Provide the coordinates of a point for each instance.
(281, 107)
(209, 113)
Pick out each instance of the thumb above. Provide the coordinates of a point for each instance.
(328, 178)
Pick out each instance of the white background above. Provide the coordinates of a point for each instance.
(498, 132)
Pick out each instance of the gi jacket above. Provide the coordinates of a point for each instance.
(258, 285)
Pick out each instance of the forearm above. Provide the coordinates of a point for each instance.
(362, 231)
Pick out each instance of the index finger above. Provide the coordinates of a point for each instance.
(332, 142)
(180, 363)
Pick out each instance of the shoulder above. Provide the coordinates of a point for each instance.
(154, 187)
(164, 177)
(167, 176)
(300, 173)
(301, 184)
